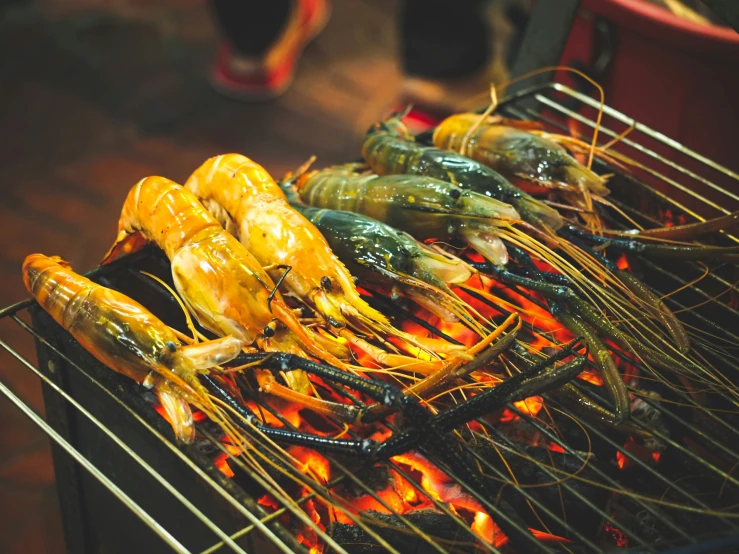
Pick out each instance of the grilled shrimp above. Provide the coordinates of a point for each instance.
(516, 153)
(425, 207)
(389, 149)
(221, 283)
(280, 237)
(128, 338)
(382, 256)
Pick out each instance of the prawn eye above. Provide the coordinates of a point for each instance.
(326, 283)
(171, 346)
(334, 323)
(268, 331)
(455, 193)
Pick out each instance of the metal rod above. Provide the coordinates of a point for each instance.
(123, 446)
(646, 130)
(576, 116)
(594, 429)
(350, 475)
(95, 472)
(192, 465)
(569, 450)
(300, 514)
(269, 517)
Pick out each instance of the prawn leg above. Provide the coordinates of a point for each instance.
(662, 251)
(484, 353)
(269, 385)
(602, 358)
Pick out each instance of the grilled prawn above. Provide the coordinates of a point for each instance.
(515, 153)
(280, 238)
(425, 207)
(128, 338)
(387, 258)
(389, 149)
(221, 283)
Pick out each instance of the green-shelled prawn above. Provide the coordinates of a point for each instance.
(390, 150)
(379, 255)
(425, 207)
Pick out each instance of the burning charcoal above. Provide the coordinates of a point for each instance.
(530, 473)
(377, 478)
(443, 530)
(650, 529)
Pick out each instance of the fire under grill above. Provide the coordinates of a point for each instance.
(555, 481)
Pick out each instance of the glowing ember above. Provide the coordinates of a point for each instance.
(622, 461)
(313, 463)
(291, 412)
(592, 378)
(484, 526)
(548, 537)
(623, 262)
(638, 451)
(619, 537)
(268, 502)
(221, 462)
(530, 406)
(554, 447)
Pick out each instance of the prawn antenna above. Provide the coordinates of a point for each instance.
(190, 324)
(287, 269)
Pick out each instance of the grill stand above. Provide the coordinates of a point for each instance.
(109, 529)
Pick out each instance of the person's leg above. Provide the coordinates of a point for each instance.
(264, 43)
(444, 39)
(251, 27)
(447, 55)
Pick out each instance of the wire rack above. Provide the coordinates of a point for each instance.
(673, 168)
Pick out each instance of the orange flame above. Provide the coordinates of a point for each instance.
(592, 378)
(313, 463)
(531, 406)
(623, 262)
(221, 462)
(484, 526)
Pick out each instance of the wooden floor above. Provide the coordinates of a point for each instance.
(91, 101)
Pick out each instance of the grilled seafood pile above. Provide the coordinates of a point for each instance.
(423, 271)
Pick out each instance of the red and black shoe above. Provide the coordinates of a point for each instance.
(270, 75)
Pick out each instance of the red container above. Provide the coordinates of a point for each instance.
(678, 77)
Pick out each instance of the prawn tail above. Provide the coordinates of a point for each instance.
(586, 178)
(485, 239)
(176, 410)
(306, 339)
(125, 243)
(536, 212)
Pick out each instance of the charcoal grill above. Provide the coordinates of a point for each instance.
(126, 486)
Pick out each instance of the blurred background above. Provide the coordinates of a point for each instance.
(96, 95)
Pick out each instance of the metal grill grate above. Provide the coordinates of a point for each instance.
(706, 436)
